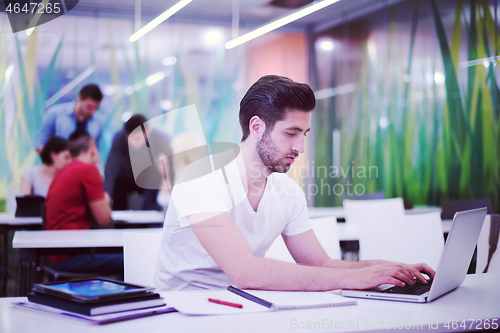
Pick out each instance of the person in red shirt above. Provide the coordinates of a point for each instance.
(75, 199)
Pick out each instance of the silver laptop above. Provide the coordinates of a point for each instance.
(451, 270)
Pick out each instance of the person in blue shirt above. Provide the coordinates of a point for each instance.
(63, 119)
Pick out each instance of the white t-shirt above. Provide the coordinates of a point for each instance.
(184, 264)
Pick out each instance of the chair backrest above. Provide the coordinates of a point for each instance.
(450, 206)
(324, 228)
(409, 238)
(488, 254)
(140, 254)
(358, 211)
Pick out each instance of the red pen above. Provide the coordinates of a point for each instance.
(218, 301)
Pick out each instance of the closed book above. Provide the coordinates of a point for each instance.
(92, 309)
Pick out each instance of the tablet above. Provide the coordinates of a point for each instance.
(92, 290)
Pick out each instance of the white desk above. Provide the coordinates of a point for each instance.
(32, 244)
(478, 298)
(126, 216)
(113, 237)
(125, 219)
(315, 212)
(43, 239)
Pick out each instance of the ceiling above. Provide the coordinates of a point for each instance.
(252, 13)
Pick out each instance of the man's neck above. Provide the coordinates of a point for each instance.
(253, 172)
(84, 158)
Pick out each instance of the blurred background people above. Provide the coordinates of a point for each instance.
(75, 199)
(119, 181)
(36, 179)
(63, 119)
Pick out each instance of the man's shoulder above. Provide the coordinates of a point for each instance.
(99, 117)
(61, 109)
(81, 169)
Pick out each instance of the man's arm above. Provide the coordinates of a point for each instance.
(220, 236)
(306, 249)
(101, 210)
(46, 130)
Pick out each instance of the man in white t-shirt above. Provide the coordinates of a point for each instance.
(220, 224)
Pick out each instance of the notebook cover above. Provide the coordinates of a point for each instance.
(90, 309)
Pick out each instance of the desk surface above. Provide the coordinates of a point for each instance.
(128, 216)
(138, 216)
(73, 238)
(478, 298)
(114, 237)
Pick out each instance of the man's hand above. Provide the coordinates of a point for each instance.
(386, 272)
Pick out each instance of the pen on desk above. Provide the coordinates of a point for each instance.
(218, 301)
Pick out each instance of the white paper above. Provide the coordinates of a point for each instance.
(196, 302)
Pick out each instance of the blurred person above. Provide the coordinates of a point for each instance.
(63, 119)
(36, 179)
(119, 181)
(75, 199)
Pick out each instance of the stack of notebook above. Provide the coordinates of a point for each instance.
(96, 297)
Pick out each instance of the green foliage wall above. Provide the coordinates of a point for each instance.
(415, 96)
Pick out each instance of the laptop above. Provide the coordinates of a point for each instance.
(451, 269)
(29, 206)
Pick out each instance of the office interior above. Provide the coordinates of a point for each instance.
(407, 98)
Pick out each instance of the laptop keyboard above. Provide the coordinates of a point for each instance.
(418, 288)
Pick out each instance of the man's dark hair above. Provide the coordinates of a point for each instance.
(91, 91)
(54, 145)
(135, 121)
(79, 142)
(271, 97)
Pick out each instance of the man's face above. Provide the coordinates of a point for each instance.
(279, 148)
(85, 108)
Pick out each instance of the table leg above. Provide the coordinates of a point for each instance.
(27, 270)
(4, 267)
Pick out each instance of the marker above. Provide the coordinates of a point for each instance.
(218, 301)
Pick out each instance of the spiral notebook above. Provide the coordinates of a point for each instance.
(197, 302)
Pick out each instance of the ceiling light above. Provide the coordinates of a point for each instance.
(166, 104)
(169, 61)
(213, 37)
(383, 122)
(326, 45)
(154, 23)
(439, 77)
(301, 12)
(126, 116)
(155, 78)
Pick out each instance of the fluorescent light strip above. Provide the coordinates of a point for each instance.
(153, 24)
(315, 6)
(69, 86)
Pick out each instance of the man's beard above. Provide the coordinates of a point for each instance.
(267, 151)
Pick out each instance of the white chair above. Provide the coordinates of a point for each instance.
(140, 253)
(409, 238)
(483, 248)
(358, 211)
(324, 228)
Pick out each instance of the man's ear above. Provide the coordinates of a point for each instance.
(257, 127)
